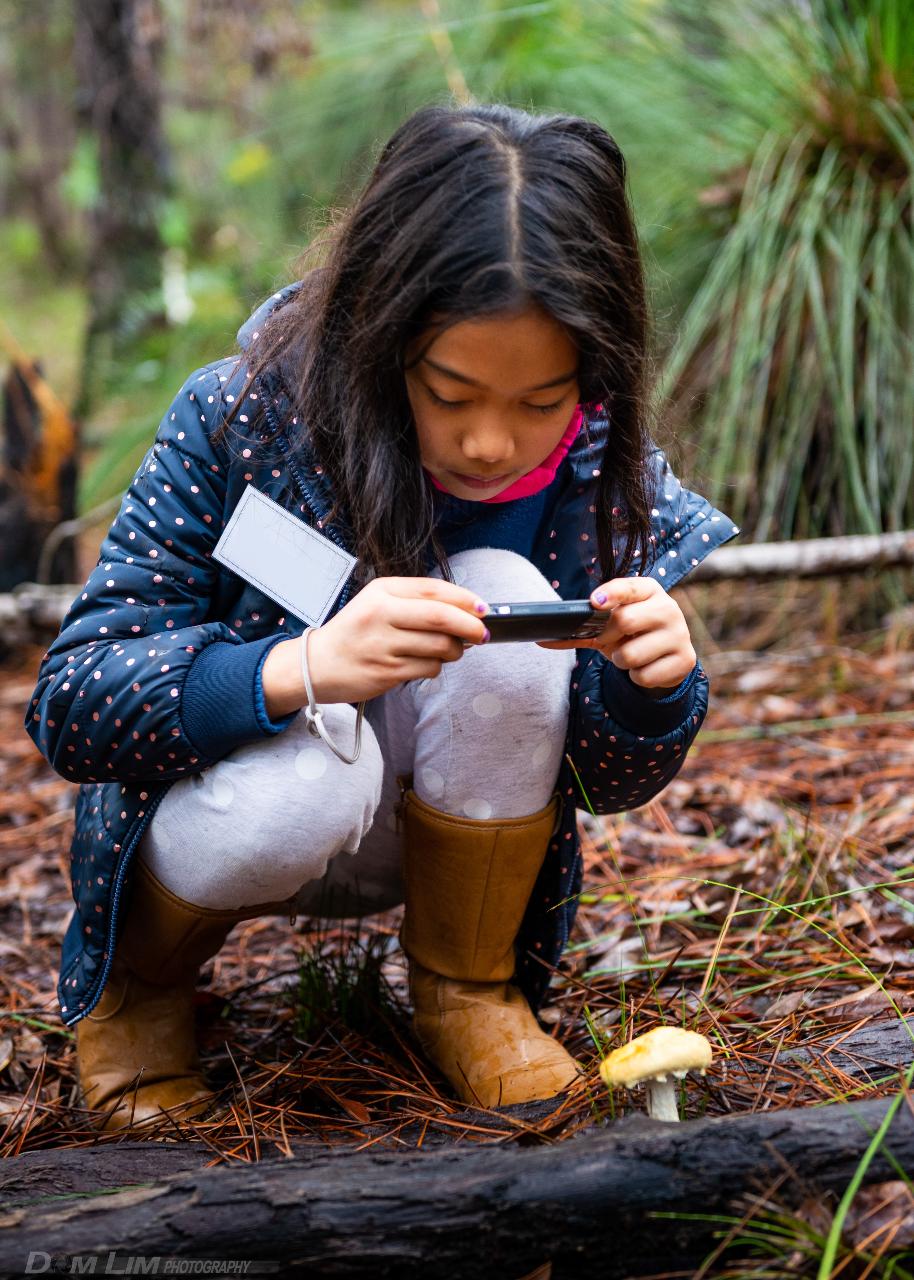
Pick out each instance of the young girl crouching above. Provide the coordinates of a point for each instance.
(456, 397)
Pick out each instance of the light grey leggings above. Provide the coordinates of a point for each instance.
(284, 818)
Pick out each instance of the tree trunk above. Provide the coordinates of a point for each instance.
(588, 1203)
(37, 128)
(119, 46)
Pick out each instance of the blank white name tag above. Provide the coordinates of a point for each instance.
(287, 560)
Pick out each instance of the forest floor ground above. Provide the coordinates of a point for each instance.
(766, 898)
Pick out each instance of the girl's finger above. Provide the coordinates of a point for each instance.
(436, 589)
(643, 615)
(624, 591)
(638, 653)
(667, 673)
(437, 616)
(428, 644)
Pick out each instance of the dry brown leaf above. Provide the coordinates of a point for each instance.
(878, 1211)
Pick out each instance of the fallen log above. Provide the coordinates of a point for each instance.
(872, 1052)
(629, 1198)
(32, 613)
(33, 609)
(812, 558)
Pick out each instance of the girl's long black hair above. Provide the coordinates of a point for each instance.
(469, 211)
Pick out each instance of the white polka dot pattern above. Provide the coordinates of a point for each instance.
(311, 764)
(432, 781)
(487, 705)
(110, 710)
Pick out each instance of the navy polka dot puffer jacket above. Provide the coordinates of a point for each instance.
(123, 705)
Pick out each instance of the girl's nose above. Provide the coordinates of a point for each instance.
(489, 448)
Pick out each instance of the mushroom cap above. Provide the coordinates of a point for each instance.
(655, 1055)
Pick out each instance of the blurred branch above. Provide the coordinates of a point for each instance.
(69, 529)
(34, 607)
(812, 558)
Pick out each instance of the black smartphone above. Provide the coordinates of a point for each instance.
(544, 620)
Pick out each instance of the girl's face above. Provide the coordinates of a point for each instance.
(491, 398)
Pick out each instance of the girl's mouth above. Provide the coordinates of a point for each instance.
(476, 483)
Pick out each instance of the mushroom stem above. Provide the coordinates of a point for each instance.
(661, 1100)
(657, 1060)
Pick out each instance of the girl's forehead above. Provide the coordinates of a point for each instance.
(523, 339)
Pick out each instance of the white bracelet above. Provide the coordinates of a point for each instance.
(313, 714)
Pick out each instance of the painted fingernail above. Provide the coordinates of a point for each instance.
(599, 597)
(487, 636)
(481, 607)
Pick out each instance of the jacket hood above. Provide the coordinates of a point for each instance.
(255, 321)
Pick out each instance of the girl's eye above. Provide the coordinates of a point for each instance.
(455, 404)
(446, 404)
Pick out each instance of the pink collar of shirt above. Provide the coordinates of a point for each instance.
(541, 475)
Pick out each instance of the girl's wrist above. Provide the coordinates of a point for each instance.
(328, 677)
(282, 693)
(284, 684)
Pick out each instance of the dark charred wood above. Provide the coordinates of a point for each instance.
(873, 1052)
(490, 1210)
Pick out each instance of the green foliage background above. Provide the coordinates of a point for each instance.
(770, 148)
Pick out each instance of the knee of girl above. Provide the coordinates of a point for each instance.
(355, 787)
(499, 574)
(523, 676)
(273, 813)
(523, 682)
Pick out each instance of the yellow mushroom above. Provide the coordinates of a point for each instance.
(655, 1060)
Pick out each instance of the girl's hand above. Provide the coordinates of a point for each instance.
(395, 629)
(645, 634)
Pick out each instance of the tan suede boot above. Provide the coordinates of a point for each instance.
(467, 884)
(137, 1050)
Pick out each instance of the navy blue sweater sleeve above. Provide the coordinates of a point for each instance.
(223, 702)
(120, 695)
(625, 745)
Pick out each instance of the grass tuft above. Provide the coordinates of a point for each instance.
(341, 985)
